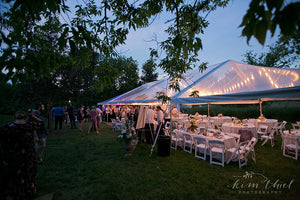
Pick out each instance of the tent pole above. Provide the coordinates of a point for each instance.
(260, 107)
(170, 113)
(208, 110)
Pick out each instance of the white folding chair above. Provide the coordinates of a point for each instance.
(250, 148)
(186, 124)
(201, 127)
(262, 130)
(236, 137)
(188, 142)
(167, 128)
(291, 146)
(280, 128)
(200, 147)
(175, 140)
(211, 124)
(238, 154)
(286, 132)
(296, 126)
(269, 137)
(242, 151)
(216, 152)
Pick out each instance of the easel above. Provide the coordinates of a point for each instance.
(157, 133)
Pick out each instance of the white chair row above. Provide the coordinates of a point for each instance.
(216, 149)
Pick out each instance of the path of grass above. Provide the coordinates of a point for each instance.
(81, 166)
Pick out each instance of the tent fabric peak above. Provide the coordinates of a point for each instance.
(228, 81)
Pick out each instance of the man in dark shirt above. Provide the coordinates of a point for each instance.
(17, 159)
(41, 131)
(71, 113)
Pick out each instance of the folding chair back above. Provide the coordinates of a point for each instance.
(217, 152)
(200, 147)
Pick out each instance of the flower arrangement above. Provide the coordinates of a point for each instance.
(220, 115)
(193, 124)
(237, 122)
(129, 132)
(261, 117)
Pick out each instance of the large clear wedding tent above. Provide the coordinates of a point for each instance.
(228, 82)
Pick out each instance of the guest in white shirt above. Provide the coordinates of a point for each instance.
(149, 125)
(160, 120)
(174, 111)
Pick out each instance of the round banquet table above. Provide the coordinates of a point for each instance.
(220, 120)
(269, 122)
(232, 128)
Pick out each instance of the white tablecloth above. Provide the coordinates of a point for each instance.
(220, 120)
(206, 122)
(231, 128)
(269, 122)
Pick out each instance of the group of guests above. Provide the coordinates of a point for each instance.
(119, 112)
(156, 115)
(71, 115)
(22, 145)
(23, 141)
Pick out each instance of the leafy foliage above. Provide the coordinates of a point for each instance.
(194, 93)
(163, 97)
(182, 45)
(148, 72)
(283, 54)
(29, 43)
(267, 15)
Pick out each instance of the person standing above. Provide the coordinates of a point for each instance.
(58, 113)
(71, 113)
(93, 115)
(149, 125)
(80, 117)
(174, 111)
(17, 159)
(160, 120)
(99, 116)
(66, 116)
(40, 143)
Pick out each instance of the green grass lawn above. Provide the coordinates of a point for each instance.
(81, 166)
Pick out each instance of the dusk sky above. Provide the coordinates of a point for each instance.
(221, 40)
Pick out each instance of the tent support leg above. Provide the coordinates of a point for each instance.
(157, 135)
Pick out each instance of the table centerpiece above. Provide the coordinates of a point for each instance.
(192, 125)
(129, 137)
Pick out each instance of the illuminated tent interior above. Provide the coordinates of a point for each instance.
(229, 82)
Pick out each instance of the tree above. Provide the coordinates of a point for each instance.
(283, 54)
(114, 76)
(182, 45)
(102, 26)
(148, 72)
(267, 15)
(113, 20)
(29, 43)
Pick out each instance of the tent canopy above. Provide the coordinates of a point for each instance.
(226, 82)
